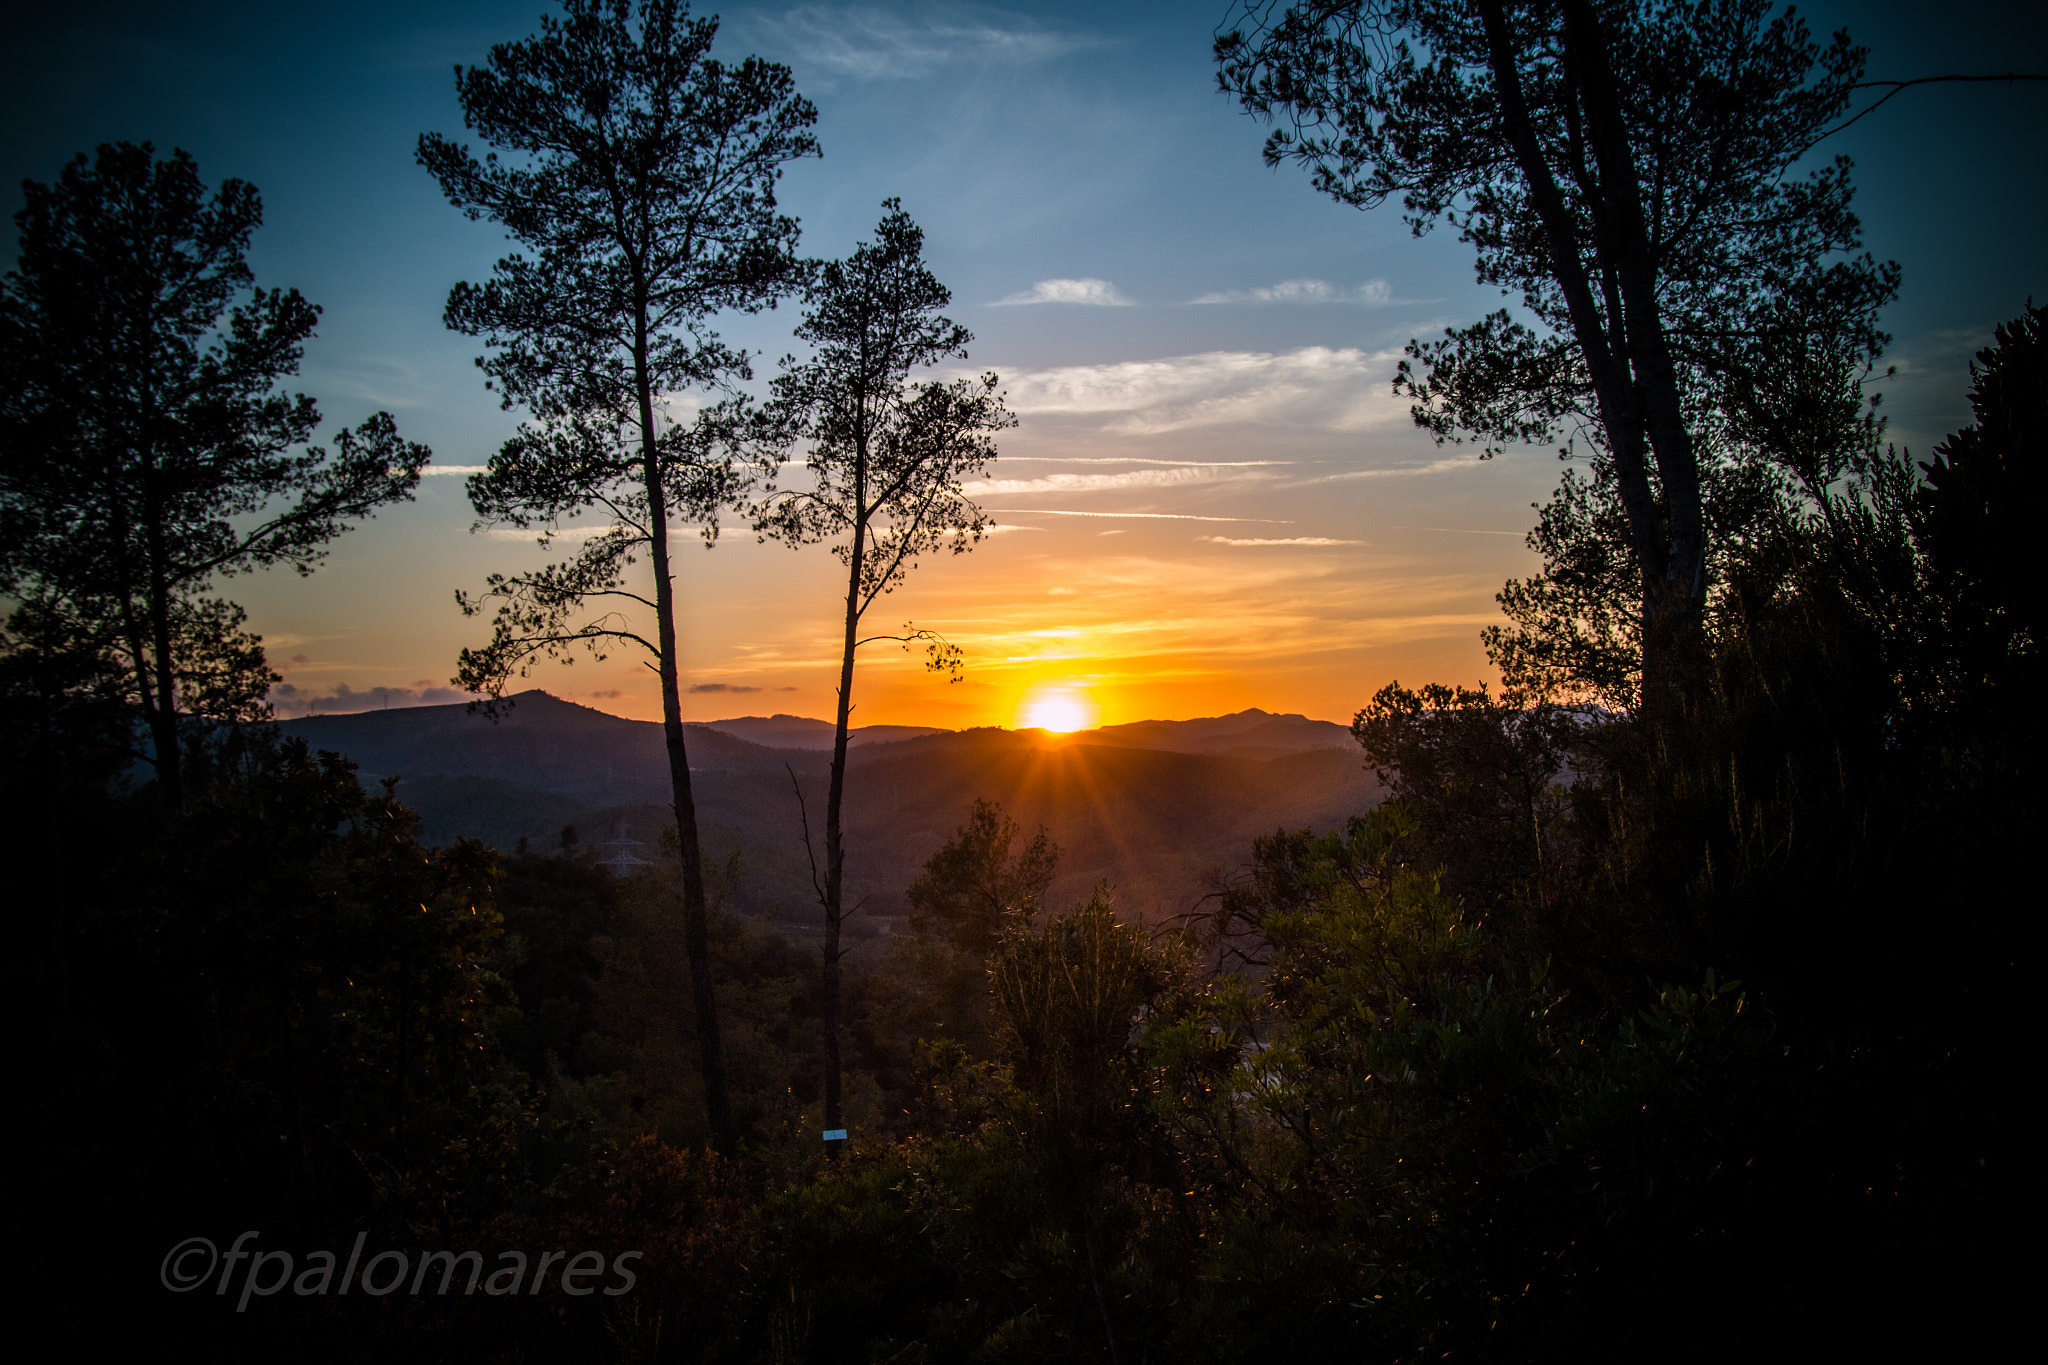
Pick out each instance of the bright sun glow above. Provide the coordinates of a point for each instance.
(1057, 709)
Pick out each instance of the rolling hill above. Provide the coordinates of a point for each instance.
(1163, 809)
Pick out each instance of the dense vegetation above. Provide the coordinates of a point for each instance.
(1605, 1024)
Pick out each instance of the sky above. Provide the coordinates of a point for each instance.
(1212, 501)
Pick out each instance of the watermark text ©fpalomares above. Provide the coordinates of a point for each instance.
(191, 1264)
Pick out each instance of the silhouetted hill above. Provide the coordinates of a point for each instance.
(1252, 733)
(1147, 810)
(540, 741)
(802, 732)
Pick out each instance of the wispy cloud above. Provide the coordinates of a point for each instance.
(569, 535)
(1090, 293)
(433, 470)
(1401, 471)
(1291, 540)
(1371, 294)
(1143, 615)
(384, 380)
(1139, 459)
(1315, 387)
(291, 701)
(1137, 516)
(577, 535)
(1096, 483)
(722, 687)
(869, 43)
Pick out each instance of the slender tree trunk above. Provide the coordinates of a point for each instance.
(134, 635)
(1634, 382)
(835, 843)
(1683, 587)
(157, 682)
(696, 916)
(163, 717)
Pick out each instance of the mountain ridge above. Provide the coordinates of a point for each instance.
(1165, 824)
(1253, 727)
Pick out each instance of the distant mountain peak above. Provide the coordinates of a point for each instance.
(540, 696)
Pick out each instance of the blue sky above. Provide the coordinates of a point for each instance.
(1186, 333)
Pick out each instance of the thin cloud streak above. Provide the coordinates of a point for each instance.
(1178, 477)
(291, 702)
(577, 535)
(1316, 387)
(1399, 471)
(1371, 294)
(1146, 516)
(1089, 293)
(570, 535)
(869, 44)
(1140, 459)
(1292, 540)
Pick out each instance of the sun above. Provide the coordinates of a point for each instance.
(1057, 709)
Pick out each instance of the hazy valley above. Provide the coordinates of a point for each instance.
(1161, 809)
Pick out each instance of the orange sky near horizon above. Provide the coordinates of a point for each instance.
(1148, 564)
(1213, 499)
